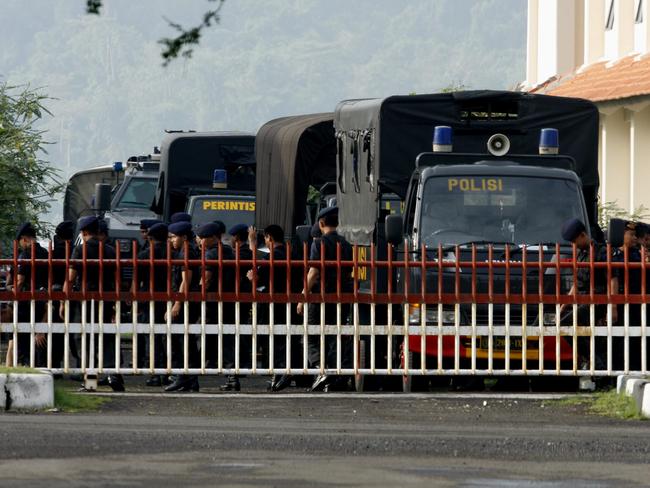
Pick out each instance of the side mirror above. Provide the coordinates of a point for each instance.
(393, 226)
(616, 232)
(303, 232)
(102, 197)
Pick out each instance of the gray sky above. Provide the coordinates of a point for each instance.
(265, 59)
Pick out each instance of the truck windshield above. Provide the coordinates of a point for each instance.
(138, 193)
(228, 210)
(520, 210)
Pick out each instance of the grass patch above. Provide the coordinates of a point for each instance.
(606, 403)
(611, 404)
(69, 401)
(19, 370)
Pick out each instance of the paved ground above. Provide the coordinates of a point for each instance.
(294, 439)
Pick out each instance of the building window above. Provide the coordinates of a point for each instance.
(638, 19)
(610, 16)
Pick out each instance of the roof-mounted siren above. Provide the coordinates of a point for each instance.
(220, 179)
(549, 141)
(118, 167)
(442, 135)
(498, 145)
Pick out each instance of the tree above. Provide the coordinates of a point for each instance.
(28, 184)
(183, 44)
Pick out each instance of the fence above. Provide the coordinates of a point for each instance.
(476, 310)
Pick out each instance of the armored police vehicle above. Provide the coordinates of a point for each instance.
(210, 175)
(488, 187)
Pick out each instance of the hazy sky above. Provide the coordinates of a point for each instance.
(265, 59)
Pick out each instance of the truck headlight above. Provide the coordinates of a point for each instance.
(415, 315)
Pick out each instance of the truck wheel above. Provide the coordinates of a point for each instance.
(412, 383)
(359, 379)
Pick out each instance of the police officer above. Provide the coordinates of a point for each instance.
(209, 236)
(328, 221)
(26, 237)
(94, 249)
(274, 240)
(61, 247)
(145, 225)
(574, 231)
(146, 276)
(633, 236)
(184, 279)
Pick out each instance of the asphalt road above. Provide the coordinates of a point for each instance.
(343, 439)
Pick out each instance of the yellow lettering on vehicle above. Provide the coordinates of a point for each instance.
(362, 271)
(475, 184)
(228, 205)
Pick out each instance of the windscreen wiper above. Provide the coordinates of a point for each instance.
(452, 247)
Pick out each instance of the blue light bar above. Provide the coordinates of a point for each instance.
(220, 179)
(442, 135)
(118, 167)
(549, 141)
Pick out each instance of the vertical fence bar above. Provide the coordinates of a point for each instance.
(540, 312)
(440, 285)
(524, 309)
(490, 309)
(507, 310)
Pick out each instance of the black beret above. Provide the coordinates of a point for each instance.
(158, 231)
(571, 229)
(238, 229)
(327, 211)
(65, 230)
(222, 226)
(26, 229)
(209, 230)
(89, 223)
(315, 231)
(102, 226)
(180, 229)
(147, 223)
(180, 217)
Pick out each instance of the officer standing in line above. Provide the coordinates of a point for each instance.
(145, 225)
(574, 231)
(634, 234)
(242, 248)
(89, 227)
(209, 236)
(156, 245)
(63, 239)
(184, 279)
(328, 221)
(274, 240)
(26, 237)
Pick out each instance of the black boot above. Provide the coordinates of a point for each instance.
(231, 384)
(279, 383)
(116, 382)
(183, 382)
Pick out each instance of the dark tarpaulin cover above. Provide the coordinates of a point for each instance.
(399, 128)
(80, 190)
(188, 161)
(292, 153)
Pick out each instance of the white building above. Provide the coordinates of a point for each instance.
(599, 50)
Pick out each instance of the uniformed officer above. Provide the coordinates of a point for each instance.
(209, 236)
(26, 237)
(89, 227)
(184, 279)
(274, 240)
(62, 245)
(180, 217)
(145, 225)
(328, 221)
(574, 231)
(146, 277)
(633, 236)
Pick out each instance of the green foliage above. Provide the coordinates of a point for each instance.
(72, 402)
(455, 86)
(612, 210)
(612, 404)
(29, 183)
(183, 44)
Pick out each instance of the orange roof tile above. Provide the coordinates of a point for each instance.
(627, 77)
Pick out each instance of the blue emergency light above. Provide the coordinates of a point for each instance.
(549, 141)
(442, 135)
(118, 167)
(220, 179)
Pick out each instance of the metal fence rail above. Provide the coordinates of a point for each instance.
(419, 313)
